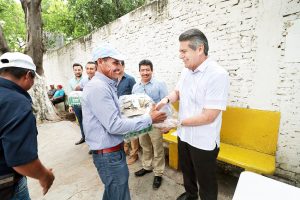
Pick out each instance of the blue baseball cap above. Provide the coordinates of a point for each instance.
(107, 50)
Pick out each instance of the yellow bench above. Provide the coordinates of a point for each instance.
(248, 140)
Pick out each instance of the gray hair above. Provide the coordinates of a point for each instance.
(196, 38)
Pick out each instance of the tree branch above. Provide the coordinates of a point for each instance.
(3, 44)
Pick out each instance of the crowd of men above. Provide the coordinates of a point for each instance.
(202, 90)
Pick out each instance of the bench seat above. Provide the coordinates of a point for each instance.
(250, 160)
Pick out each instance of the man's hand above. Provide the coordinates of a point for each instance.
(162, 102)
(46, 181)
(164, 130)
(70, 109)
(157, 116)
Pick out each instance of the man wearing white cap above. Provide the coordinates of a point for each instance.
(18, 131)
(104, 127)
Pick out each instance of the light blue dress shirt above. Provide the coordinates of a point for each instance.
(102, 122)
(73, 82)
(157, 90)
(83, 82)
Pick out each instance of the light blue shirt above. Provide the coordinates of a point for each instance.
(157, 90)
(83, 82)
(102, 122)
(73, 82)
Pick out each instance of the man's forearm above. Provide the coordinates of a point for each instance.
(34, 169)
(173, 96)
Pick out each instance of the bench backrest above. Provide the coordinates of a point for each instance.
(251, 129)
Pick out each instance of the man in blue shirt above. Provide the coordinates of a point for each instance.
(59, 95)
(18, 131)
(104, 126)
(152, 144)
(90, 69)
(125, 85)
(73, 82)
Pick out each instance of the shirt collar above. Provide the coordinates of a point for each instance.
(13, 86)
(104, 78)
(203, 66)
(150, 82)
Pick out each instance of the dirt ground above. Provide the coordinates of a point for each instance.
(77, 178)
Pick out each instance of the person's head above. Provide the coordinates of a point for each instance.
(19, 68)
(193, 48)
(146, 70)
(59, 87)
(77, 69)
(51, 86)
(108, 60)
(90, 69)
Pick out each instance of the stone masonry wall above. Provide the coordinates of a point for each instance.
(255, 40)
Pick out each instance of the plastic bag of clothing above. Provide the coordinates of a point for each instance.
(172, 118)
(135, 105)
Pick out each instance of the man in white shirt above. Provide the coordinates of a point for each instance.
(202, 90)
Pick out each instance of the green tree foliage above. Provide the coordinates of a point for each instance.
(12, 20)
(69, 19)
(80, 17)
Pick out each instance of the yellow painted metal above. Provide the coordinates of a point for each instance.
(251, 129)
(173, 149)
(250, 160)
(172, 140)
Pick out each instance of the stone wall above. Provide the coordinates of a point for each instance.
(256, 41)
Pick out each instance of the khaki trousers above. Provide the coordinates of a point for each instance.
(153, 152)
(134, 147)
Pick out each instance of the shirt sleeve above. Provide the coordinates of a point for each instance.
(217, 92)
(19, 139)
(111, 120)
(132, 83)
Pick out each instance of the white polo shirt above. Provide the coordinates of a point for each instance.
(205, 87)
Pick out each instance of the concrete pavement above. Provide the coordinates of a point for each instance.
(77, 178)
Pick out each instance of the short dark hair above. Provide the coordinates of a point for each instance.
(77, 64)
(17, 72)
(122, 62)
(91, 62)
(196, 37)
(146, 62)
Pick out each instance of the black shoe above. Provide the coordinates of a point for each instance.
(186, 196)
(80, 141)
(90, 152)
(142, 172)
(157, 182)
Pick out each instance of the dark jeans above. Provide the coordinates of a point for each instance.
(78, 112)
(21, 190)
(113, 171)
(58, 100)
(198, 165)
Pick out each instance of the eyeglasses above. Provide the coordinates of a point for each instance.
(32, 73)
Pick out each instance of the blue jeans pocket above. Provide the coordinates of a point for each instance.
(115, 157)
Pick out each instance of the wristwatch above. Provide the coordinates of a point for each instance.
(168, 100)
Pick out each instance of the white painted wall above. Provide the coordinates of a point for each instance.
(256, 41)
